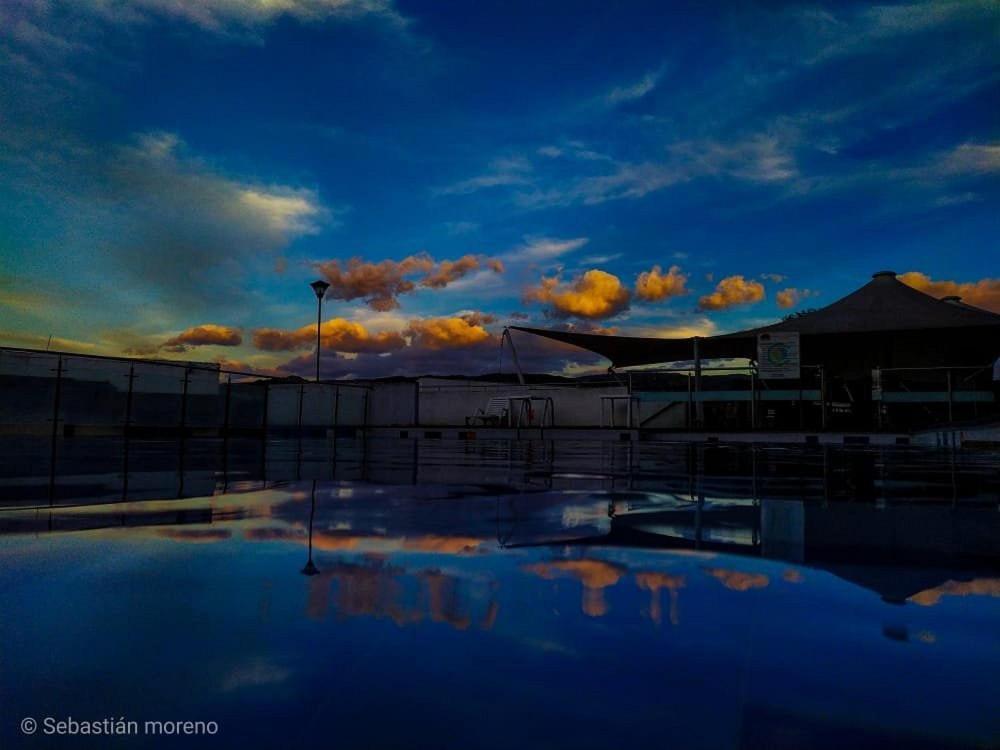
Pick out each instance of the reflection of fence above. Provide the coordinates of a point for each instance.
(935, 394)
(73, 394)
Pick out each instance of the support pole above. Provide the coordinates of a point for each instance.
(513, 351)
(319, 323)
(55, 429)
(225, 433)
(298, 453)
(877, 387)
(126, 427)
(182, 446)
(184, 400)
(690, 403)
(951, 398)
(699, 406)
(822, 396)
(263, 433)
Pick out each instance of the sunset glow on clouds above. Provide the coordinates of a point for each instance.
(445, 189)
(595, 294)
(984, 293)
(732, 291)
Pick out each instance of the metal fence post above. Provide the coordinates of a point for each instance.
(951, 399)
(263, 420)
(298, 454)
(822, 397)
(263, 433)
(184, 398)
(225, 432)
(690, 404)
(55, 428)
(225, 408)
(125, 431)
(301, 390)
(877, 387)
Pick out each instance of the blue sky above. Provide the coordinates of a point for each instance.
(172, 175)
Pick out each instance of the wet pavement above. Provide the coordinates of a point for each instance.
(406, 593)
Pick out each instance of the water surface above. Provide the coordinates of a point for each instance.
(493, 594)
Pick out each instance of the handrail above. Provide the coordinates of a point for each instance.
(937, 368)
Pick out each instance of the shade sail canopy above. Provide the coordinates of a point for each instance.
(628, 351)
(883, 305)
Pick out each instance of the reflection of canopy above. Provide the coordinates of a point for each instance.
(883, 305)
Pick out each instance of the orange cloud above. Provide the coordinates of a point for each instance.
(983, 293)
(732, 291)
(791, 296)
(337, 334)
(975, 587)
(738, 580)
(208, 334)
(653, 581)
(596, 294)
(195, 536)
(449, 545)
(792, 575)
(449, 333)
(377, 283)
(448, 271)
(380, 284)
(478, 318)
(595, 575)
(655, 285)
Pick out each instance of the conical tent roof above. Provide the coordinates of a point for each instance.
(883, 305)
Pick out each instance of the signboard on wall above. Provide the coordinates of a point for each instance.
(778, 356)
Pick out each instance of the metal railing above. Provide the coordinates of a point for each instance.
(946, 392)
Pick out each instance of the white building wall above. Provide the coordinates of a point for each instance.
(446, 402)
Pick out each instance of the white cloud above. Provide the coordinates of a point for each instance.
(875, 26)
(505, 171)
(223, 15)
(762, 158)
(286, 211)
(635, 90)
(159, 229)
(538, 249)
(970, 159)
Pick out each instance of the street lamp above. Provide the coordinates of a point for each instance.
(319, 287)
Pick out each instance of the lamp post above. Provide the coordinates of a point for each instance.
(319, 287)
(310, 568)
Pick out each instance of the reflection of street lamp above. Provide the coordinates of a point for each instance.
(319, 287)
(310, 569)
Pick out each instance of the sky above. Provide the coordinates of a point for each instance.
(173, 175)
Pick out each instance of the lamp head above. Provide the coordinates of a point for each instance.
(320, 287)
